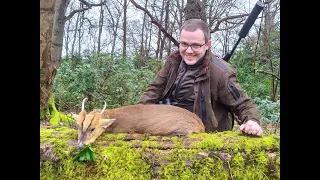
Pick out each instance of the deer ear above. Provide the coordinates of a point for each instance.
(75, 116)
(79, 117)
(106, 122)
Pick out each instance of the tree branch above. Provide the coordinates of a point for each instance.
(266, 72)
(216, 28)
(90, 5)
(83, 9)
(74, 12)
(154, 21)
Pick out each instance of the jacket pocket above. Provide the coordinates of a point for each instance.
(234, 91)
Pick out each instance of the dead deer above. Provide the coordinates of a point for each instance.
(153, 119)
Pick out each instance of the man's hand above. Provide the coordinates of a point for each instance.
(251, 127)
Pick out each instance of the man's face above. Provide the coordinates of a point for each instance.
(193, 46)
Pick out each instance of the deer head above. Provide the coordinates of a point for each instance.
(90, 126)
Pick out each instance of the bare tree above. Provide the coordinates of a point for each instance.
(159, 32)
(51, 38)
(113, 20)
(75, 32)
(124, 40)
(271, 7)
(166, 21)
(52, 22)
(194, 9)
(101, 20)
(178, 13)
(80, 31)
(141, 60)
(67, 37)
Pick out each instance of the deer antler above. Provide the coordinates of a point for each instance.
(83, 103)
(104, 108)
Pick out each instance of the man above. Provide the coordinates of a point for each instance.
(195, 79)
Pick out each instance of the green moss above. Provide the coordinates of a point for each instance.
(209, 142)
(55, 117)
(184, 164)
(147, 157)
(231, 141)
(58, 117)
(271, 142)
(42, 113)
(210, 168)
(150, 144)
(125, 163)
(238, 161)
(113, 137)
(60, 137)
(177, 142)
(47, 170)
(174, 166)
(59, 133)
(256, 166)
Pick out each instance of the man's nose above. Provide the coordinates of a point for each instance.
(189, 49)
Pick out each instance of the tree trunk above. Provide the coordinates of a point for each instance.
(80, 33)
(223, 155)
(124, 40)
(166, 21)
(149, 42)
(75, 34)
(52, 21)
(159, 50)
(115, 23)
(193, 9)
(67, 40)
(142, 57)
(101, 18)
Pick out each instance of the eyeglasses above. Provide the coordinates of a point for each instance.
(194, 47)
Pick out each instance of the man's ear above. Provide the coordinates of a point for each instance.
(106, 122)
(209, 43)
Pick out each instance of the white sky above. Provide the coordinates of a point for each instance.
(136, 14)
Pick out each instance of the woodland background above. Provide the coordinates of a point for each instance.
(111, 50)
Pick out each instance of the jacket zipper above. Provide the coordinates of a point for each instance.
(179, 83)
(164, 94)
(235, 93)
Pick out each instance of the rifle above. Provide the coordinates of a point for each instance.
(246, 27)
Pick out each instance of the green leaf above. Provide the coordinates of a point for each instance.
(88, 155)
(90, 148)
(93, 156)
(81, 158)
(77, 156)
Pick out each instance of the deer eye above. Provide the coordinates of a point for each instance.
(92, 129)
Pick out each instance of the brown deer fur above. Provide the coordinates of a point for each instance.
(154, 119)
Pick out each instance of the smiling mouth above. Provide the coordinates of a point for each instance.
(189, 57)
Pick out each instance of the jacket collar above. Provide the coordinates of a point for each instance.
(205, 71)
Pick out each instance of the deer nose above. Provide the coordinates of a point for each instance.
(80, 145)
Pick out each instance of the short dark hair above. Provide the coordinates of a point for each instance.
(194, 24)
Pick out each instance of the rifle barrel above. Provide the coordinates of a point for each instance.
(246, 27)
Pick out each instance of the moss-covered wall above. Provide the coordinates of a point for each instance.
(224, 155)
